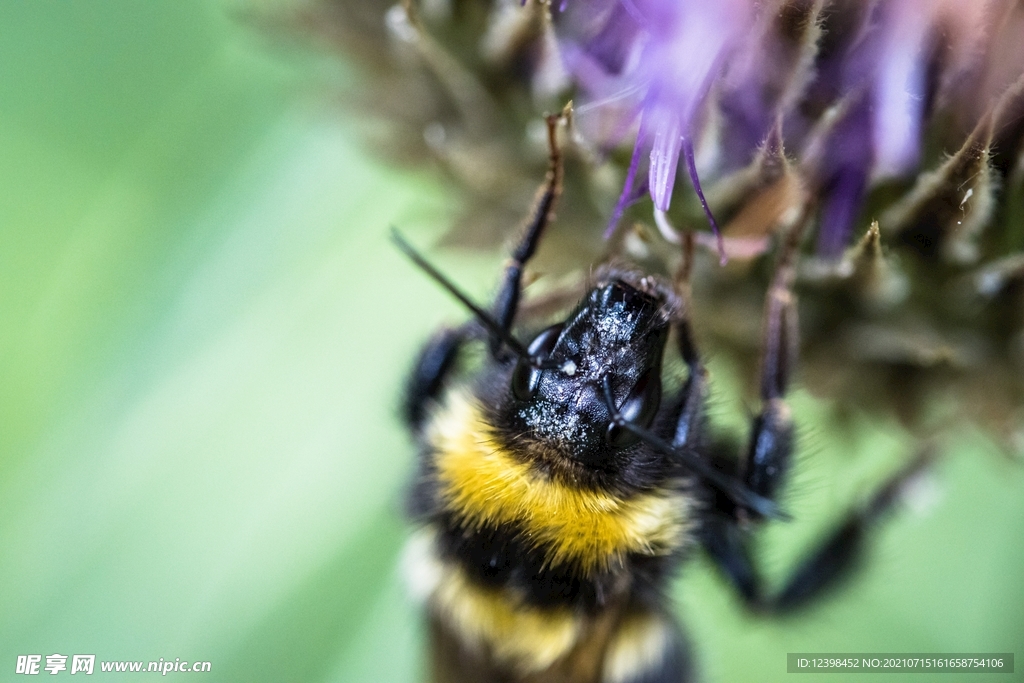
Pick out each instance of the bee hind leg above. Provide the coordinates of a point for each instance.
(825, 566)
(834, 558)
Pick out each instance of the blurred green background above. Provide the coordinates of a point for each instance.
(202, 332)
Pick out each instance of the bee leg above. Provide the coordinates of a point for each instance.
(690, 421)
(771, 441)
(724, 533)
(432, 368)
(824, 567)
(728, 547)
(507, 301)
(719, 533)
(839, 552)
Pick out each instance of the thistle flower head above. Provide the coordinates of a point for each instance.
(852, 85)
(889, 130)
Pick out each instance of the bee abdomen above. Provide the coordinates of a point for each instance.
(488, 633)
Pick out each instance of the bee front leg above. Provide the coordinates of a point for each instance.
(430, 373)
(507, 301)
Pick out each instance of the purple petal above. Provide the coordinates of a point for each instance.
(614, 43)
(842, 206)
(845, 174)
(691, 166)
(625, 197)
(668, 140)
(899, 88)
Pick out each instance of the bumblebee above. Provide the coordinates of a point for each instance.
(560, 486)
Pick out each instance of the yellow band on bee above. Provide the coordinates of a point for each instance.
(483, 484)
(639, 645)
(489, 620)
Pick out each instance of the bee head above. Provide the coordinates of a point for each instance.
(608, 349)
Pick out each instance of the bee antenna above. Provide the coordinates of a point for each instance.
(733, 488)
(485, 318)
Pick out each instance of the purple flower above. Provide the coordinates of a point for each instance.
(653, 62)
(675, 73)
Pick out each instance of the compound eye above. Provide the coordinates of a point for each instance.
(526, 377)
(638, 409)
(619, 437)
